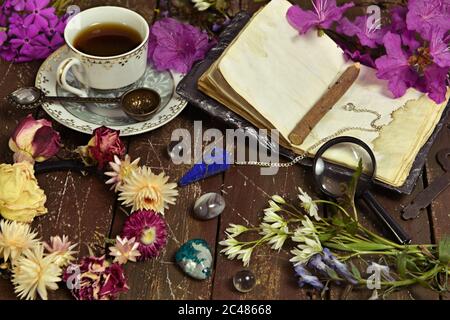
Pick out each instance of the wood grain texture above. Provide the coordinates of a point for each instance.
(83, 208)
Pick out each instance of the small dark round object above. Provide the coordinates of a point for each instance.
(141, 104)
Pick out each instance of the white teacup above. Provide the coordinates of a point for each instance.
(104, 73)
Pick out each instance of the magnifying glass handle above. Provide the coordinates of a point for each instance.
(397, 231)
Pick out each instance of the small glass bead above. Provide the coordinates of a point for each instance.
(244, 281)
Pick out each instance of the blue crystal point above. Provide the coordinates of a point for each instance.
(216, 162)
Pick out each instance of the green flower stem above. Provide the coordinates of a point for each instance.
(402, 283)
(334, 204)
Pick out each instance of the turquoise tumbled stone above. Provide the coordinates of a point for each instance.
(195, 259)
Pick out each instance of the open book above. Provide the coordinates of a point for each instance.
(272, 76)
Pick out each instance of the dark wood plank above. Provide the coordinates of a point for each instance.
(438, 211)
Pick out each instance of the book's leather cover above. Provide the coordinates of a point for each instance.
(187, 88)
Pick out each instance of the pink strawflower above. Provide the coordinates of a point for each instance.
(176, 46)
(325, 13)
(150, 231)
(124, 250)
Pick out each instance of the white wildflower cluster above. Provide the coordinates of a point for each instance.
(234, 248)
(308, 204)
(309, 243)
(274, 226)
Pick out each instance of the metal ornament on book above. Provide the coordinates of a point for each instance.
(350, 107)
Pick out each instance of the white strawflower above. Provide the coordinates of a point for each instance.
(62, 250)
(34, 273)
(15, 238)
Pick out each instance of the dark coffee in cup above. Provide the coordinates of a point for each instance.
(107, 39)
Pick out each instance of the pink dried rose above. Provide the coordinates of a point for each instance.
(94, 278)
(176, 46)
(103, 146)
(34, 140)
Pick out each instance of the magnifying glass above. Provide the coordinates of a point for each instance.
(331, 179)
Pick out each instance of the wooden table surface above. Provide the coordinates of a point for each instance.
(83, 207)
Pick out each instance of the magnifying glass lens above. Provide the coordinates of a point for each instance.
(332, 177)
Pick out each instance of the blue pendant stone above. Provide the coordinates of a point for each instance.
(195, 259)
(216, 162)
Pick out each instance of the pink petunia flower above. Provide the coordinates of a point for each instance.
(322, 17)
(150, 231)
(176, 46)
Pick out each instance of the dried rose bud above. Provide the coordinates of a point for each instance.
(34, 140)
(102, 147)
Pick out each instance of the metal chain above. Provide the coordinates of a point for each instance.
(348, 107)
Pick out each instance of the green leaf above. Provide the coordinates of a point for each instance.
(444, 250)
(332, 274)
(354, 181)
(355, 271)
(402, 261)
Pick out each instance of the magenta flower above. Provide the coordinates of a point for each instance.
(56, 26)
(3, 37)
(439, 48)
(322, 17)
(23, 40)
(149, 229)
(425, 69)
(176, 46)
(369, 35)
(18, 5)
(394, 66)
(39, 13)
(47, 44)
(424, 15)
(436, 82)
(357, 56)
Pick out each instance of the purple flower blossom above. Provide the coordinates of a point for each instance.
(394, 66)
(3, 37)
(306, 278)
(424, 15)
(23, 41)
(364, 58)
(17, 5)
(39, 13)
(322, 17)
(439, 48)
(176, 46)
(338, 266)
(46, 45)
(316, 263)
(436, 82)
(370, 35)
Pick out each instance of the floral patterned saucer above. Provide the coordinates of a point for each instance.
(87, 117)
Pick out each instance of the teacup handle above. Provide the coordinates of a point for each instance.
(78, 71)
